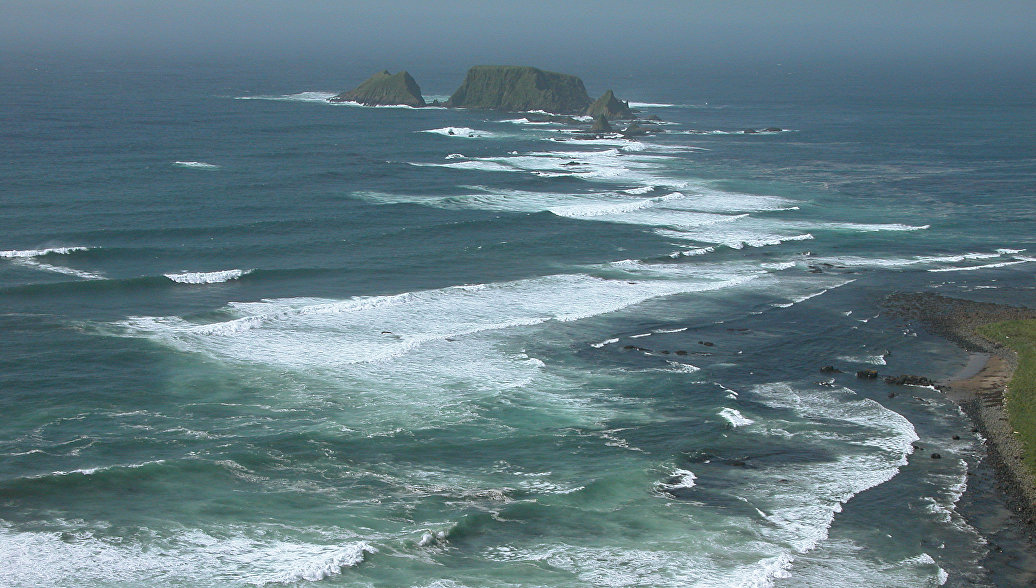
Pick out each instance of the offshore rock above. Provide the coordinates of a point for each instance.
(611, 107)
(601, 124)
(520, 88)
(385, 89)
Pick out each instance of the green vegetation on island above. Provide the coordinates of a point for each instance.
(1020, 335)
(611, 107)
(385, 89)
(520, 88)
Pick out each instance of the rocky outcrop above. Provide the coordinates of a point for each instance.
(611, 107)
(601, 125)
(385, 89)
(520, 88)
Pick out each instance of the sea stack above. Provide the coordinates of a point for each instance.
(611, 107)
(520, 88)
(601, 124)
(385, 89)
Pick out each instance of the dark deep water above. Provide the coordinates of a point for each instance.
(250, 337)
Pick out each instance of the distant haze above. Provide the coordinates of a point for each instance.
(451, 31)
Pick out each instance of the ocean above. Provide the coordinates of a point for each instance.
(253, 338)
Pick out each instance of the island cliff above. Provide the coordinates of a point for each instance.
(520, 88)
(385, 89)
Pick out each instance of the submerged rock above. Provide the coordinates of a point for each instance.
(520, 88)
(611, 107)
(385, 89)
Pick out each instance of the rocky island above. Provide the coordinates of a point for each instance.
(520, 88)
(544, 96)
(610, 107)
(385, 89)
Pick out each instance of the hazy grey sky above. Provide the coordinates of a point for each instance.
(515, 31)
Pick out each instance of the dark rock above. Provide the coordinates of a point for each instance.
(520, 88)
(956, 437)
(707, 343)
(737, 463)
(601, 124)
(892, 394)
(385, 89)
(936, 456)
(653, 117)
(908, 380)
(681, 352)
(830, 369)
(867, 374)
(772, 130)
(610, 107)
(634, 130)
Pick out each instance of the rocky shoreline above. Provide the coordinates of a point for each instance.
(979, 391)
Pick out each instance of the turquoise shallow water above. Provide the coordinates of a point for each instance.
(254, 338)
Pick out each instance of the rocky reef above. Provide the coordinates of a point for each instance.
(611, 107)
(385, 89)
(520, 88)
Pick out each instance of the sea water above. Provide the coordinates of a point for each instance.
(251, 337)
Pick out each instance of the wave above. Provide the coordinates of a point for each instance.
(323, 97)
(193, 556)
(735, 418)
(806, 297)
(397, 353)
(196, 165)
(691, 214)
(683, 368)
(418, 318)
(936, 260)
(29, 258)
(462, 132)
(868, 359)
(679, 479)
(29, 253)
(605, 342)
(208, 277)
(982, 267)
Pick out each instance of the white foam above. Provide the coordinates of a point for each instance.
(196, 164)
(640, 190)
(690, 252)
(663, 331)
(322, 97)
(981, 267)
(683, 368)
(28, 253)
(938, 260)
(679, 479)
(207, 277)
(735, 418)
(676, 215)
(398, 353)
(605, 342)
(806, 297)
(193, 557)
(454, 156)
(651, 105)
(462, 132)
(868, 359)
(94, 470)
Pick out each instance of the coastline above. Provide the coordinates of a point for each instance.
(979, 391)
